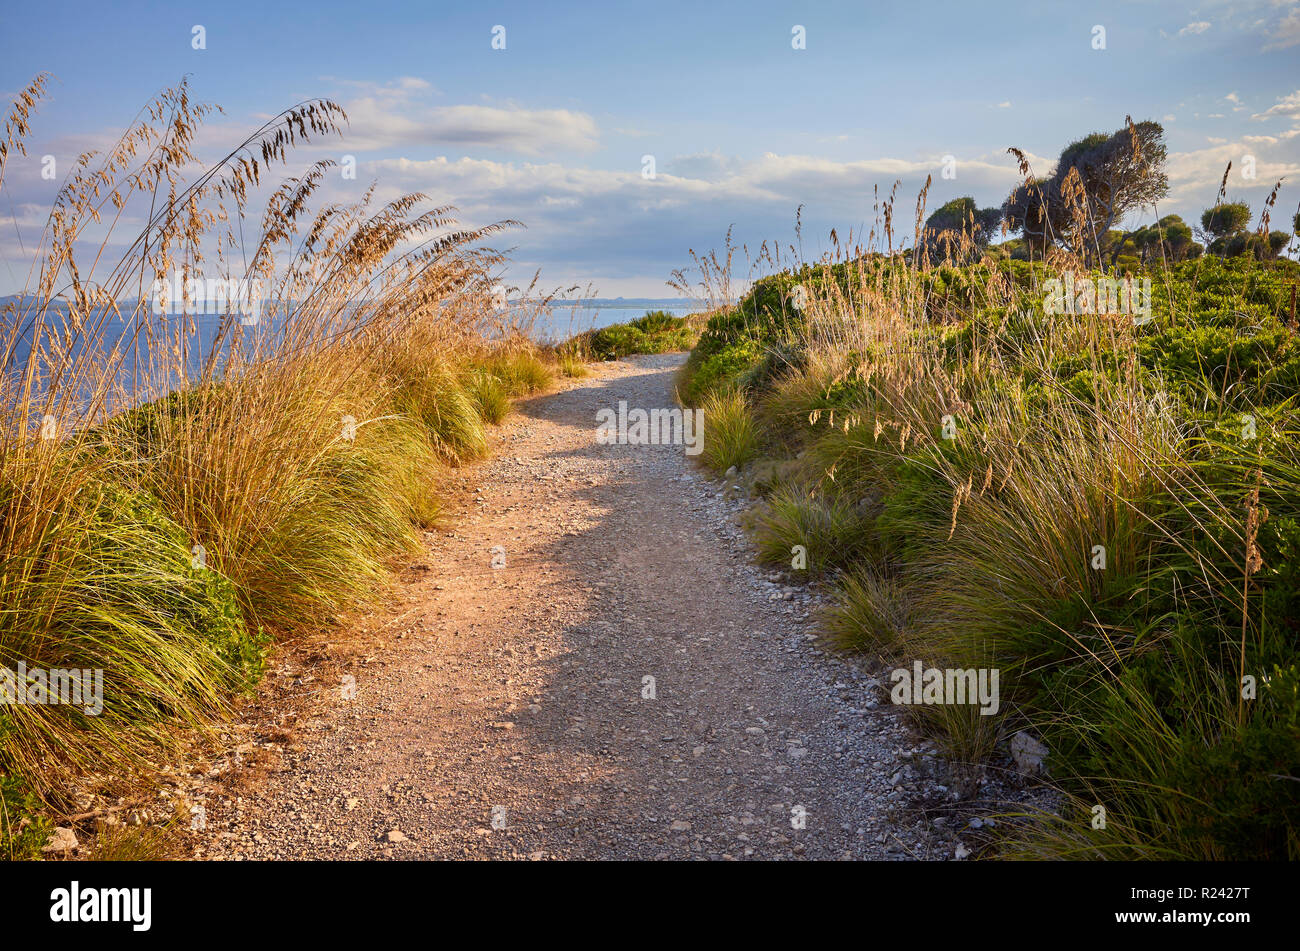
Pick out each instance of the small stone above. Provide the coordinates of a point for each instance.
(62, 839)
(680, 825)
(395, 835)
(1028, 753)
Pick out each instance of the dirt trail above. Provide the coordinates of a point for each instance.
(514, 697)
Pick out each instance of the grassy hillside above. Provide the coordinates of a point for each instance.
(1105, 508)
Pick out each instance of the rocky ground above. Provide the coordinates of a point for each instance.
(509, 712)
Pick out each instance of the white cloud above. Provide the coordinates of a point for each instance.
(613, 222)
(1288, 106)
(1193, 29)
(1194, 176)
(374, 125)
(397, 114)
(1286, 33)
(401, 89)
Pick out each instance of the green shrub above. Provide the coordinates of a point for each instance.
(656, 332)
(657, 321)
(618, 340)
(718, 371)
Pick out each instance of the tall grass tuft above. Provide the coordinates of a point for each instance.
(729, 438)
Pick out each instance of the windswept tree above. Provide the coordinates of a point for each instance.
(1120, 173)
(1030, 211)
(1097, 180)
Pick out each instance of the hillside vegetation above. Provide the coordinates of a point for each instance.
(1104, 506)
(657, 331)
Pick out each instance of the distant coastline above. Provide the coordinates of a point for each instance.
(651, 303)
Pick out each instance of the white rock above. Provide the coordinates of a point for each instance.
(1028, 754)
(62, 839)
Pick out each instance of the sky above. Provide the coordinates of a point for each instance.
(554, 113)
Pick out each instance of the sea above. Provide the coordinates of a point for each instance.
(561, 320)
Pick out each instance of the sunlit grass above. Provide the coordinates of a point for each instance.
(164, 518)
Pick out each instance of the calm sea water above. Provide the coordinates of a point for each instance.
(561, 322)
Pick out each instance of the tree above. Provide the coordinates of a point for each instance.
(1118, 173)
(1261, 247)
(960, 217)
(1168, 239)
(1030, 210)
(1098, 179)
(1225, 220)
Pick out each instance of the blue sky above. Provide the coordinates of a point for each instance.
(552, 130)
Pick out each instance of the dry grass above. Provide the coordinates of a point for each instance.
(177, 489)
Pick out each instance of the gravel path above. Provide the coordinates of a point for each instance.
(505, 713)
